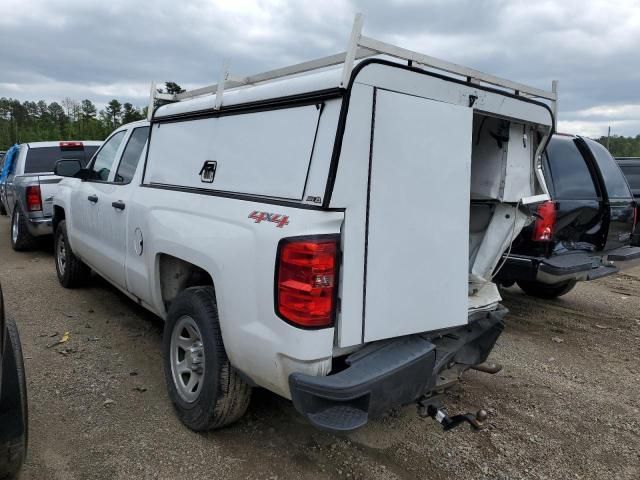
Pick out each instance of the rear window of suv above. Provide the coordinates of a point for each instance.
(570, 175)
(617, 186)
(43, 159)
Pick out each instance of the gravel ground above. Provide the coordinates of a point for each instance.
(566, 405)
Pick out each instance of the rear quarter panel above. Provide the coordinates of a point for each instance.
(216, 234)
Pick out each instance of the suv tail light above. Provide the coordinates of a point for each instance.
(306, 276)
(545, 222)
(34, 200)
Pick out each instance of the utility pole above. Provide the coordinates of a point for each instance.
(608, 137)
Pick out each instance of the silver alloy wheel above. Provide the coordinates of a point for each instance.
(14, 227)
(187, 358)
(61, 254)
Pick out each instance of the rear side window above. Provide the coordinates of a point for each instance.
(43, 159)
(614, 180)
(569, 172)
(632, 172)
(131, 155)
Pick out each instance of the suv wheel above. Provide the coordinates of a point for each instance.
(206, 391)
(21, 239)
(72, 272)
(541, 290)
(3, 211)
(13, 406)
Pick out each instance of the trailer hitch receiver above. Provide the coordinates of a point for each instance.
(440, 415)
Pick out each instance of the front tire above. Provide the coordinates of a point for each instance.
(13, 406)
(541, 290)
(3, 211)
(206, 391)
(72, 272)
(21, 239)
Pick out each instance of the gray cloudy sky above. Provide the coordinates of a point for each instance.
(51, 49)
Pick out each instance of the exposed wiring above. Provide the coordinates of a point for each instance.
(513, 233)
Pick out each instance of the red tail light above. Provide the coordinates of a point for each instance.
(71, 146)
(306, 279)
(545, 223)
(34, 200)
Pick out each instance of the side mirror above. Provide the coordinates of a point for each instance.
(68, 168)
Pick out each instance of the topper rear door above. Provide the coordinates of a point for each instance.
(417, 228)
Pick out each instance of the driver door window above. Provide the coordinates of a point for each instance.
(101, 166)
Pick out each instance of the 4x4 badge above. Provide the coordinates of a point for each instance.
(277, 218)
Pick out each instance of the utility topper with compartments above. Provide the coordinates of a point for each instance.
(327, 231)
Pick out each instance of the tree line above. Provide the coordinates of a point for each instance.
(620, 146)
(70, 119)
(80, 120)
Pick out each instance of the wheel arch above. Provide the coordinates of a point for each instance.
(59, 214)
(176, 274)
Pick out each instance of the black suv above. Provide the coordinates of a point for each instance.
(584, 232)
(13, 399)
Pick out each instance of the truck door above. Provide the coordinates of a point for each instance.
(417, 226)
(115, 213)
(90, 206)
(619, 202)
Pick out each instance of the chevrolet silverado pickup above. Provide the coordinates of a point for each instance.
(327, 231)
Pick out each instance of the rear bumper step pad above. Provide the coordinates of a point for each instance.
(390, 374)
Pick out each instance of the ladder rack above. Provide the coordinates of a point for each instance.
(359, 47)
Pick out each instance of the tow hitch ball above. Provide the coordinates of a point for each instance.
(439, 414)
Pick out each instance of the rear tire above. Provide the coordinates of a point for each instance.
(541, 290)
(72, 272)
(219, 396)
(21, 239)
(13, 407)
(3, 211)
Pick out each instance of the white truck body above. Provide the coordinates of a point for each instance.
(418, 176)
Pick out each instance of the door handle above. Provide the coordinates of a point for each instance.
(119, 205)
(93, 198)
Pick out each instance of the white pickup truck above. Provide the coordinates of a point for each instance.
(327, 231)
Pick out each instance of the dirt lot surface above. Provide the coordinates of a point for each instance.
(566, 405)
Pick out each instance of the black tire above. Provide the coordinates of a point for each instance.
(13, 407)
(72, 272)
(3, 211)
(541, 290)
(224, 396)
(21, 239)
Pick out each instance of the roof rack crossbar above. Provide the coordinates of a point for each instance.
(359, 47)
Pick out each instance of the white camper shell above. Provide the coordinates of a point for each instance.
(415, 167)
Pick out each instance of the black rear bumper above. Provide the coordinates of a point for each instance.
(391, 373)
(579, 266)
